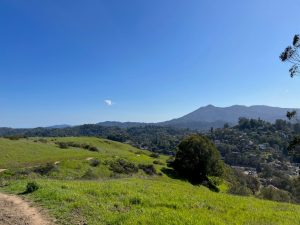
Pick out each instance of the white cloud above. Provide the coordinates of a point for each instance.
(108, 102)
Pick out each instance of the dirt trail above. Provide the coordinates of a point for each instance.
(16, 211)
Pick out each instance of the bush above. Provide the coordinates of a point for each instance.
(211, 185)
(42, 140)
(240, 190)
(77, 145)
(154, 155)
(148, 169)
(93, 149)
(275, 194)
(158, 162)
(44, 169)
(197, 158)
(94, 162)
(31, 187)
(135, 201)
(122, 166)
(62, 145)
(15, 137)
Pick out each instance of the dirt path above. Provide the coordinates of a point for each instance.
(16, 211)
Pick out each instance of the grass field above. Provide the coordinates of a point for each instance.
(31, 152)
(108, 198)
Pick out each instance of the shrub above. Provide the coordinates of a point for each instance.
(211, 185)
(135, 201)
(158, 162)
(15, 137)
(62, 145)
(123, 166)
(44, 169)
(77, 145)
(242, 184)
(148, 169)
(275, 194)
(154, 155)
(239, 190)
(94, 162)
(93, 149)
(42, 140)
(31, 187)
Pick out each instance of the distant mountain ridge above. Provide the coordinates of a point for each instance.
(213, 116)
(231, 114)
(201, 119)
(61, 126)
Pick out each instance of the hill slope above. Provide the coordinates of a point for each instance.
(212, 116)
(75, 191)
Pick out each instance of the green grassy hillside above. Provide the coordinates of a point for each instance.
(75, 192)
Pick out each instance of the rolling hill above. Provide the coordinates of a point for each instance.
(75, 191)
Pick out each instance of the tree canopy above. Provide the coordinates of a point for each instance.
(291, 55)
(197, 158)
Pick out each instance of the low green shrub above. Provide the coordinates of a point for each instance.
(148, 169)
(62, 145)
(94, 162)
(123, 166)
(31, 187)
(44, 169)
(275, 194)
(154, 155)
(158, 162)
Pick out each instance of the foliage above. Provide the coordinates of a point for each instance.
(31, 187)
(62, 145)
(77, 145)
(44, 169)
(275, 194)
(291, 55)
(241, 184)
(154, 155)
(94, 162)
(197, 158)
(123, 166)
(148, 169)
(294, 148)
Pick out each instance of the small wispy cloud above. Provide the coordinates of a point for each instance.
(108, 102)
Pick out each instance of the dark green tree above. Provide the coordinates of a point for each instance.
(197, 158)
(291, 55)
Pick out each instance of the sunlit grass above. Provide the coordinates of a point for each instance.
(76, 192)
(153, 201)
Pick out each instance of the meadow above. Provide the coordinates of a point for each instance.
(76, 192)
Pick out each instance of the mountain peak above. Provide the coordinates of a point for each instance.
(213, 116)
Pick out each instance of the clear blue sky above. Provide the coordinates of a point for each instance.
(154, 60)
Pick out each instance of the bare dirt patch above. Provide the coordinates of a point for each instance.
(15, 211)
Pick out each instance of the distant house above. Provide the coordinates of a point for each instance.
(263, 146)
(246, 170)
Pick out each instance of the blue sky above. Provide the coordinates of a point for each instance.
(153, 60)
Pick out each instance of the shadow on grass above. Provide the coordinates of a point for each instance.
(204, 181)
(172, 173)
